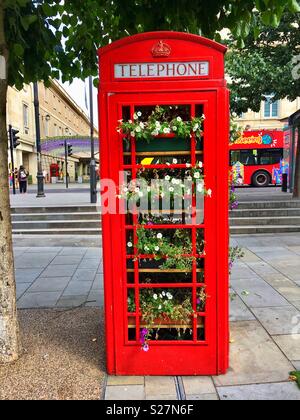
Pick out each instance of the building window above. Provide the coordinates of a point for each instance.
(46, 127)
(271, 109)
(25, 116)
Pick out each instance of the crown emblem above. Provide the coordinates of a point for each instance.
(161, 50)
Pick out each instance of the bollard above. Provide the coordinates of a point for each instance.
(285, 183)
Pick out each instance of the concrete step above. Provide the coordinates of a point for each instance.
(252, 230)
(59, 232)
(24, 217)
(269, 205)
(56, 209)
(248, 213)
(56, 224)
(265, 221)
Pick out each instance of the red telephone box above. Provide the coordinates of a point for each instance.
(165, 273)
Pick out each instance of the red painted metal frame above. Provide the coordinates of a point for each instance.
(210, 356)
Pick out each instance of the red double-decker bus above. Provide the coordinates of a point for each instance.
(256, 158)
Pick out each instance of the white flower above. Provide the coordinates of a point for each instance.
(148, 189)
(189, 178)
(169, 296)
(168, 163)
(167, 178)
(174, 181)
(141, 194)
(179, 119)
(139, 114)
(203, 117)
(120, 121)
(146, 249)
(197, 175)
(157, 124)
(209, 192)
(174, 128)
(175, 161)
(188, 165)
(125, 189)
(177, 181)
(135, 117)
(137, 189)
(171, 189)
(196, 126)
(157, 248)
(142, 125)
(162, 195)
(155, 297)
(164, 294)
(200, 164)
(200, 187)
(155, 133)
(138, 129)
(119, 130)
(132, 134)
(166, 130)
(159, 236)
(130, 244)
(160, 307)
(130, 121)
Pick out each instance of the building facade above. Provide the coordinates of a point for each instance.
(272, 115)
(60, 116)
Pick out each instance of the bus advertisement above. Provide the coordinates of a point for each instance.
(257, 158)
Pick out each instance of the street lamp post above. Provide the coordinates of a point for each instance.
(40, 176)
(93, 180)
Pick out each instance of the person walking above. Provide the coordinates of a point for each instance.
(22, 178)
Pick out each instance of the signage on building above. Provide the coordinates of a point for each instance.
(162, 70)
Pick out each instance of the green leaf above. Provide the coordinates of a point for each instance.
(18, 50)
(294, 6)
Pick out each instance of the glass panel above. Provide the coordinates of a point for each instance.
(131, 307)
(201, 329)
(129, 242)
(165, 277)
(167, 313)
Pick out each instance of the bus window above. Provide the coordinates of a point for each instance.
(234, 157)
(270, 156)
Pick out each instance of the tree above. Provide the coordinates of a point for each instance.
(40, 39)
(268, 64)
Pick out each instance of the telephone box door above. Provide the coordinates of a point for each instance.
(182, 348)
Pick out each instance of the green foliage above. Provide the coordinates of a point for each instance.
(265, 64)
(159, 123)
(45, 37)
(171, 246)
(295, 376)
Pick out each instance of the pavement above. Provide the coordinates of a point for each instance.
(265, 315)
(55, 195)
(252, 194)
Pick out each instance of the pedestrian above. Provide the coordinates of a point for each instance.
(22, 178)
(16, 175)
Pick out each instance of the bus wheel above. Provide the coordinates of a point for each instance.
(261, 179)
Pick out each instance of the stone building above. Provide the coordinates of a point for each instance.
(60, 116)
(272, 115)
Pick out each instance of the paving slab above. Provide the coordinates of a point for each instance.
(296, 303)
(59, 271)
(255, 358)
(51, 249)
(258, 293)
(78, 288)
(289, 344)
(41, 260)
(239, 311)
(125, 393)
(296, 364)
(84, 275)
(71, 251)
(94, 253)
(90, 263)
(52, 284)
(196, 385)
(159, 386)
(67, 260)
(250, 256)
(27, 275)
(203, 397)
(277, 321)
(38, 300)
(72, 301)
(98, 282)
(125, 380)
(21, 289)
(286, 391)
(95, 299)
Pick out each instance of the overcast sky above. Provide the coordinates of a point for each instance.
(77, 91)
